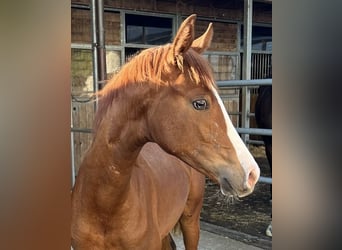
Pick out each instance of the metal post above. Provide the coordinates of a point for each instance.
(246, 65)
(94, 44)
(98, 45)
(123, 36)
(73, 169)
(101, 49)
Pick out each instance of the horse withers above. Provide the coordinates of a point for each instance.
(159, 128)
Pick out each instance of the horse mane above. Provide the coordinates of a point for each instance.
(150, 67)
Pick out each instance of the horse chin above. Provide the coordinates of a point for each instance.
(244, 194)
(228, 194)
(227, 189)
(231, 194)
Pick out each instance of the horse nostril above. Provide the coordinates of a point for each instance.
(252, 178)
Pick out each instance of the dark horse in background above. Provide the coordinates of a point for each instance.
(263, 117)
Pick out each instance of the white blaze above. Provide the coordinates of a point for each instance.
(246, 159)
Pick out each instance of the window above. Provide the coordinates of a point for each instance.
(261, 38)
(148, 30)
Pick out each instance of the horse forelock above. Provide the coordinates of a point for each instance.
(150, 67)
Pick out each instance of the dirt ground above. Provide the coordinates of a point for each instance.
(250, 215)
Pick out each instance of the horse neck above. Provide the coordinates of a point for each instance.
(117, 143)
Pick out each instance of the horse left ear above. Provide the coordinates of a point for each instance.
(202, 43)
(182, 42)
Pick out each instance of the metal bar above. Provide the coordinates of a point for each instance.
(240, 83)
(253, 73)
(123, 36)
(269, 66)
(82, 130)
(255, 142)
(261, 52)
(73, 169)
(255, 131)
(257, 66)
(267, 180)
(101, 49)
(80, 46)
(79, 6)
(217, 20)
(94, 48)
(260, 67)
(140, 46)
(266, 65)
(246, 64)
(245, 109)
(264, 68)
(226, 53)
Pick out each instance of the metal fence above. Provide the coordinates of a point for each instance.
(261, 65)
(246, 114)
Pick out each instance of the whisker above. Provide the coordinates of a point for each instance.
(226, 201)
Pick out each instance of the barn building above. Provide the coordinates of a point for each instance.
(130, 26)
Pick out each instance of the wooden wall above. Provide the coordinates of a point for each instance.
(112, 27)
(226, 41)
(229, 9)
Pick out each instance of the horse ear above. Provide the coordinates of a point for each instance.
(182, 41)
(202, 43)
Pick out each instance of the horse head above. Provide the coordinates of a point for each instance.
(187, 118)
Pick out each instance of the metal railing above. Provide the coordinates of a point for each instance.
(247, 130)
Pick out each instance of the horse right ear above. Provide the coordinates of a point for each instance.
(182, 42)
(202, 43)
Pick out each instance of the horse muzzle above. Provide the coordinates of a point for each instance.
(231, 185)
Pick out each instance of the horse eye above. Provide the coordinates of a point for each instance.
(200, 104)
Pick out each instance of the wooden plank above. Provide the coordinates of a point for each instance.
(113, 28)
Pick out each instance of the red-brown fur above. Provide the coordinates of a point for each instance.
(138, 178)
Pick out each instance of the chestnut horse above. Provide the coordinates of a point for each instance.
(160, 125)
